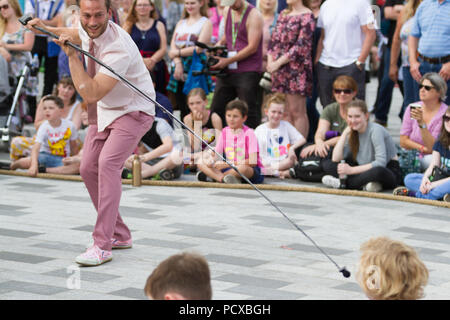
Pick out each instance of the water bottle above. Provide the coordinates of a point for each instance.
(136, 171)
(343, 179)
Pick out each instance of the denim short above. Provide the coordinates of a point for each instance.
(256, 178)
(50, 160)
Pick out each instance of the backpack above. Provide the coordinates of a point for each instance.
(309, 169)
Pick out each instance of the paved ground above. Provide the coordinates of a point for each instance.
(254, 253)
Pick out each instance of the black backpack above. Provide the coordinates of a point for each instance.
(309, 169)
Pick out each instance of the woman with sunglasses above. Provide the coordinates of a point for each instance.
(423, 120)
(332, 120)
(425, 185)
(149, 34)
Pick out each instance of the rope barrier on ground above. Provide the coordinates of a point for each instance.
(270, 187)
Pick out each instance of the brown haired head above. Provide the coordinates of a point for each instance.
(239, 105)
(57, 100)
(345, 82)
(66, 81)
(185, 274)
(444, 135)
(353, 139)
(132, 18)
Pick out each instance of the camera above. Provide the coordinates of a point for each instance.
(219, 51)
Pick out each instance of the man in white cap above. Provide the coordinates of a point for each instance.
(243, 39)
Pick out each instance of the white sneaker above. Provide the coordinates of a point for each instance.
(373, 187)
(94, 256)
(331, 181)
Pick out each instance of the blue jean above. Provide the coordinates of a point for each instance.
(385, 89)
(409, 94)
(413, 181)
(50, 160)
(431, 67)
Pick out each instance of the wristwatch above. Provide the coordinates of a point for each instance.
(423, 126)
(359, 63)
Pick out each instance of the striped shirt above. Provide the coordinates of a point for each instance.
(432, 26)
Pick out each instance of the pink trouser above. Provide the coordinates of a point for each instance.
(104, 154)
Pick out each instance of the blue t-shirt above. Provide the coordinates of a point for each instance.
(444, 152)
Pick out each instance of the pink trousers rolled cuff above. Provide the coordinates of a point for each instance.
(104, 154)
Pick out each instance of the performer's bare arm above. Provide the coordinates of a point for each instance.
(72, 32)
(90, 89)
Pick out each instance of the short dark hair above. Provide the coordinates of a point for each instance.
(185, 273)
(238, 104)
(57, 100)
(107, 4)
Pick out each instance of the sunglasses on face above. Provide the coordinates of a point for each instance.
(428, 88)
(345, 91)
(446, 118)
(5, 6)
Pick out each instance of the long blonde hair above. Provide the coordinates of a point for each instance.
(17, 10)
(410, 9)
(391, 270)
(132, 17)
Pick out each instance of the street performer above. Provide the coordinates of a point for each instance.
(118, 117)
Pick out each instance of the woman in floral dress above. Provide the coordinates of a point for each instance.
(290, 60)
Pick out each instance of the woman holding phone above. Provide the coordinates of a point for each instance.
(422, 121)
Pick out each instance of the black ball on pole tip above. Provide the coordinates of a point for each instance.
(345, 272)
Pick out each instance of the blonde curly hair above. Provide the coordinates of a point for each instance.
(391, 270)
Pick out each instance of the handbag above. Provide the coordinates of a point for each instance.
(199, 81)
(439, 174)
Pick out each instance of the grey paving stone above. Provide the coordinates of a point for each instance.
(235, 195)
(140, 213)
(89, 228)
(201, 234)
(252, 281)
(440, 217)
(194, 227)
(164, 243)
(18, 233)
(310, 248)
(418, 231)
(133, 293)
(239, 261)
(350, 286)
(25, 258)
(64, 246)
(30, 287)
(258, 293)
(85, 199)
(271, 222)
(85, 275)
(429, 238)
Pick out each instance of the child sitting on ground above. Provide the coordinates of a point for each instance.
(55, 140)
(160, 153)
(205, 123)
(277, 139)
(239, 145)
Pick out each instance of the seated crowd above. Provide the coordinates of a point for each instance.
(271, 129)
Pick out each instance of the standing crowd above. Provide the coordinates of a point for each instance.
(279, 61)
(245, 77)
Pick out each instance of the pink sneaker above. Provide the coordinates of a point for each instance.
(116, 244)
(94, 256)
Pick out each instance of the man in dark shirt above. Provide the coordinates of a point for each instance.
(383, 101)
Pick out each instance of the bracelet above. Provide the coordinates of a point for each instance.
(179, 53)
(422, 149)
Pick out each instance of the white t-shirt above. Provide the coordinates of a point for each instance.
(274, 144)
(56, 141)
(342, 21)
